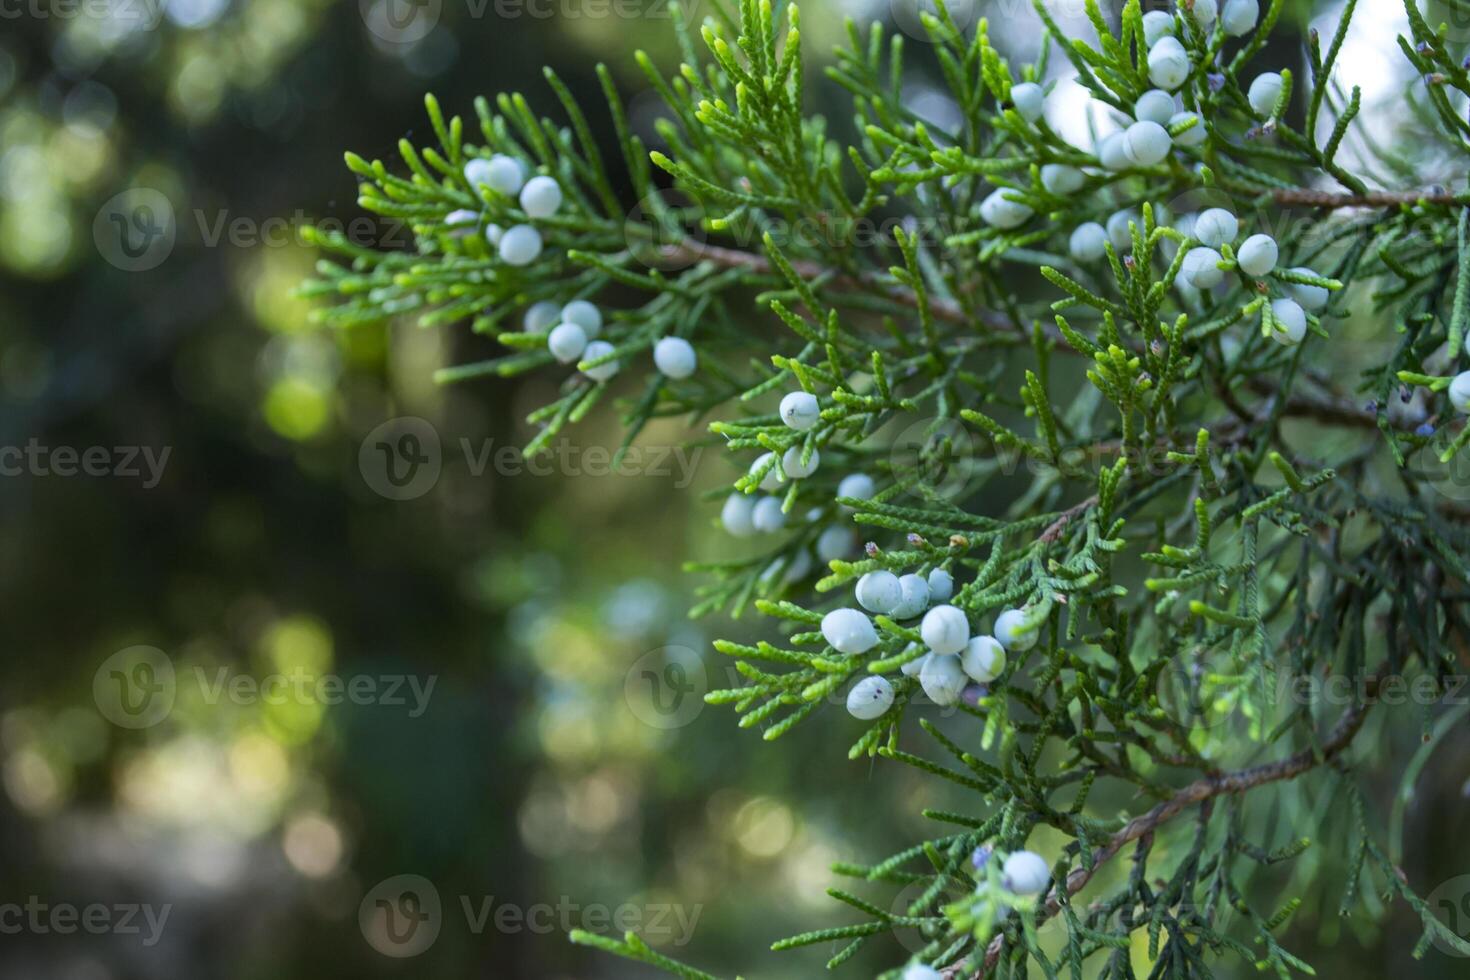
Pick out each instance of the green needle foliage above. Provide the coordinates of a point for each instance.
(1196, 520)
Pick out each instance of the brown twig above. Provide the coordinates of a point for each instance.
(1305, 197)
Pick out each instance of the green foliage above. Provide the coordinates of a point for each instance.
(1192, 517)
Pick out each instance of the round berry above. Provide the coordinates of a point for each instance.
(1201, 268)
(1147, 143)
(500, 173)
(767, 515)
(879, 592)
(945, 629)
(1257, 255)
(1000, 211)
(772, 478)
(1216, 227)
(1313, 299)
(942, 679)
(1026, 872)
(1029, 100)
(915, 667)
(1168, 64)
(833, 543)
(1460, 392)
(1205, 12)
(913, 597)
(1157, 25)
(869, 698)
(566, 342)
(1289, 322)
(541, 316)
(1112, 154)
(849, 631)
(461, 221)
(984, 659)
(1264, 93)
(493, 234)
(793, 466)
(941, 585)
(1058, 178)
(583, 314)
(541, 197)
(1240, 16)
(596, 349)
(1118, 231)
(857, 486)
(1194, 135)
(1088, 243)
(675, 358)
(793, 571)
(919, 971)
(520, 245)
(737, 515)
(1155, 105)
(800, 411)
(1008, 631)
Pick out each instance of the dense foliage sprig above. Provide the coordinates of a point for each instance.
(1092, 397)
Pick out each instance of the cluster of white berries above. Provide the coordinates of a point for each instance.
(1023, 873)
(574, 336)
(539, 197)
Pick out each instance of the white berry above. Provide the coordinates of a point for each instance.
(1290, 322)
(583, 314)
(984, 658)
(879, 592)
(1112, 154)
(1240, 16)
(1026, 873)
(1314, 299)
(914, 597)
(461, 221)
(1155, 105)
(849, 631)
(1168, 64)
(1062, 179)
(1264, 92)
(500, 173)
(1201, 268)
(1157, 25)
(793, 466)
(918, 971)
(870, 698)
(566, 342)
(833, 543)
(942, 679)
(915, 667)
(541, 197)
(1194, 135)
(596, 349)
(1008, 631)
(945, 629)
(1460, 392)
(1205, 12)
(772, 478)
(493, 234)
(1088, 243)
(857, 486)
(1030, 100)
(800, 411)
(520, 245)
(767, 515)
(736, 515)
(675, 358)
(1257, 255)
(941, 585)
(541, 316)
(1216, 227)
(1000, 211)
(1147, 143)
(1118, 231)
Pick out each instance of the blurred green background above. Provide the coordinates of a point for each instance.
(560, 765)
